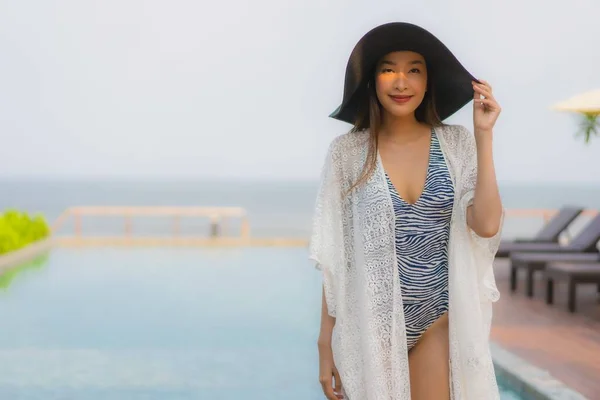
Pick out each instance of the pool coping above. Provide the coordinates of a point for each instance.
(527, 380)
(24, 254)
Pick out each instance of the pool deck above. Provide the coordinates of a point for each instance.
(549, 337)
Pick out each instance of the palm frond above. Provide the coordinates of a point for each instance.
(589, 126)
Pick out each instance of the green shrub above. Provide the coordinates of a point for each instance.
(18, 229)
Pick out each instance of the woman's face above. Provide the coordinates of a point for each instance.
(401, 82)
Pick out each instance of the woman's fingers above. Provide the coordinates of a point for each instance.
(338, 384)
(483, 90)
(331, 391)
(489, 103)
(486, 83)
(327, 388)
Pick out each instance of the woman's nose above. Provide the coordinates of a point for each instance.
(400, 82)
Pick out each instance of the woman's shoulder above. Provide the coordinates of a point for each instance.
(349, 142)
(456, 136)
(454, 131)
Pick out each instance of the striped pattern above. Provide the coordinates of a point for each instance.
(422, 232)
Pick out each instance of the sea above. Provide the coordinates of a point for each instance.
(275, 208)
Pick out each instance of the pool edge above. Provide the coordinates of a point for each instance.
(527, 380)
(25, 254)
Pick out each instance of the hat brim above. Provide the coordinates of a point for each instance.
(451, 81)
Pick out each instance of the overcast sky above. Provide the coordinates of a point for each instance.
(243, 88)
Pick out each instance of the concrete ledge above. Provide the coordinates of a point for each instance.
(528, 381)
(24, 254)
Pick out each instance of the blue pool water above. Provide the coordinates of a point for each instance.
(159, 323)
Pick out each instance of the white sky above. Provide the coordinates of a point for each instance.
(243, 88)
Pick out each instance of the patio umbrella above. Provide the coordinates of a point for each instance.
(587, 104)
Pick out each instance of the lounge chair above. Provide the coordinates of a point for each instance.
(583, 248)
(532, 262)
(574, 274)
(548, 234)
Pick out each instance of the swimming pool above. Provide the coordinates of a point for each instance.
(162, 323)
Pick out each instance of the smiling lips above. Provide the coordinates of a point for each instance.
(401, 99)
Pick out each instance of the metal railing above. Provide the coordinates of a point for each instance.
(217, 216)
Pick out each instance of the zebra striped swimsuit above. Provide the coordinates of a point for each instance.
(422, 231)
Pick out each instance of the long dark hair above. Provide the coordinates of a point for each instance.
(369, 117)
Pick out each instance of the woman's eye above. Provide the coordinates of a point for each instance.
(416, 70)
(386, 70)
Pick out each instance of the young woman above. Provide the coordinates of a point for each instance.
(407, 222)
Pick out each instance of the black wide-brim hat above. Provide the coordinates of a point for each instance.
(451, 82)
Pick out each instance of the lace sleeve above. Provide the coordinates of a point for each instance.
(484, 249)
(326, 242)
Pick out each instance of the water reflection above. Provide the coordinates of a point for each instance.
(7, 277)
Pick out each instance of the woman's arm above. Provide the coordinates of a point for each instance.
(327, 323)
(484, 215)
(329, 376)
